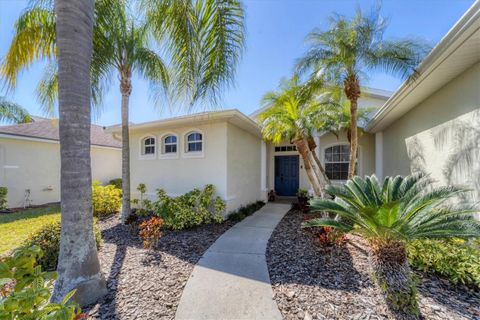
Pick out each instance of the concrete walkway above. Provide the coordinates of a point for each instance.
(231, 280)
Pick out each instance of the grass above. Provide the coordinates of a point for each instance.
(16, 227)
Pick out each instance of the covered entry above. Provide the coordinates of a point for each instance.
(286, 175)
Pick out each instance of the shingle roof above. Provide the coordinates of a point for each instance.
(42, 128)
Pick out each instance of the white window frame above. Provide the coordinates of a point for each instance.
(359, 158)
(142, 154)
(193, 154)
(170, 155)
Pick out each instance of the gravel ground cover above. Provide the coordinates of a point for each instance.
(311, 284)
(148, 284)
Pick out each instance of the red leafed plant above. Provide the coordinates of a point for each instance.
(330, 237)
(151, 231)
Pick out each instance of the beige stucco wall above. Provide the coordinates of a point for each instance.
(244, 167)
(440, 136)
(181, 173)
(35, 165)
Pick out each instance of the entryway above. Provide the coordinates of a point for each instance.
(286, 175)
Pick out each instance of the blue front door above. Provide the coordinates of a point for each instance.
(286, 175)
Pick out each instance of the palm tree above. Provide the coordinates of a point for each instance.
(203, 41)
(78, 266)
(390, 215)
(12, 112)
(352, 47)
(292, 115)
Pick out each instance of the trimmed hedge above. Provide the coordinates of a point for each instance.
(245, 211)
(106, 200)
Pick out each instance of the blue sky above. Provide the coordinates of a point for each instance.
(275, 39)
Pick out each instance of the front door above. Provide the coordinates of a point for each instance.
(286, 175)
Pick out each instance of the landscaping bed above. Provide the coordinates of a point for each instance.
(148, 284)
(310, 283)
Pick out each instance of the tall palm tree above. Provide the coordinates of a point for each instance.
(78, 266)
(292, 115)
(12, 112)
(351, 48)
(390, 214)
(203, 41)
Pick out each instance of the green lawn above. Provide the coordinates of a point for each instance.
(16, 227)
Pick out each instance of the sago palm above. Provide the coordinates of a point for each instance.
(389, 215)
(291, 115)
(201, 42)
(350, 49)
(12, 112)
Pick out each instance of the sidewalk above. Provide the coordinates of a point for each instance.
(231, 280)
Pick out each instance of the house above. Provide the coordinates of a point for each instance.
(30, 160)
(431, 125)
(225, 148)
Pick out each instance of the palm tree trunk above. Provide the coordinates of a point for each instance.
(352, 91)
(392, 273)
(126, 90)
(304, 151)
(312, 146)
(78, 265)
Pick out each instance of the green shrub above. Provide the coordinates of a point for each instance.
(117, 183)
(48, 240)
(454, 259)
(245, 211)
(144, 206)
(189, 210)
(3, 198)
(25, 289)
(106, 200)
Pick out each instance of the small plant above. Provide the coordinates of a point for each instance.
(189, 210)
(330, 237)
(117, 183)
(106, 200)
(144, 205)
(151, 231)
(25, 289)
(302, 193)
(47, 239)
(3, 198)
(454, 259)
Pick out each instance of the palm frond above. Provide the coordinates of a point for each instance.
(12, 112)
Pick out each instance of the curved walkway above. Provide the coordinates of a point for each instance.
(231, 280)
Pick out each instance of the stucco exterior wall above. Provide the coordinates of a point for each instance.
(440, 136)
(181, 173)
(243, 167)
(35, 165)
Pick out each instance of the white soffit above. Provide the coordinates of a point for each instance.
(456, 52)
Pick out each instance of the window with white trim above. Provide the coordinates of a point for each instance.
(170, 144)
(194, 142)
(337, 162)
(148, 146)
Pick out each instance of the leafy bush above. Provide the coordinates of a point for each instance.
(106, 200)
(151, 231)
(453, 259)
(189, 210)
(302, 193)
(245, 211)
(117, 183)
(3, 198)
(25, 289)
(48, 240)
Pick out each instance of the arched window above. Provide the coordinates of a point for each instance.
(337, 162)
(148, 146)
(194, 142)
(170, 144)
